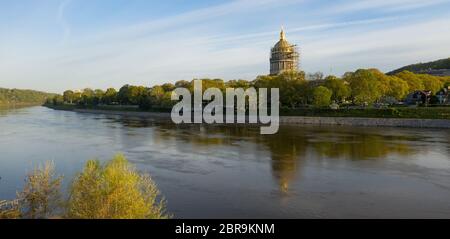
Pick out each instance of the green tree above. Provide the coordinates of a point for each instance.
(87, 97)
(239, 84)
(41, 198)
(398, 88)
(157, 95)
(432, 83)
(98, 96)
(413, 80)
(58, 100)
(123, 95)
(182, 84)
(365, 87)
(110, 96)
(168, 87)
(292, 87)
(114, 190)
(322, 96)
(69, 96)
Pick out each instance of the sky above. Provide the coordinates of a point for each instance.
(54, 45)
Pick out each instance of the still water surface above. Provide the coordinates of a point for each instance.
(234, 172)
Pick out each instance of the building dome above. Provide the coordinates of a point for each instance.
(284, 56)
(282, 43)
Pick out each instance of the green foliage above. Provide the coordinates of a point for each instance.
(58, 100)
(432, 83)
(40, 197)
(114, 190)
(110, 96)
(340, 89)
(322, 96)
(413, 80)
(365, 86)
(69, 96)
(398, 88)
(292, 85)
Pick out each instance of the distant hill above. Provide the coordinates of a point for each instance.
(439, 67)
(22, 97)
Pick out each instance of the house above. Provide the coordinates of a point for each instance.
(418, 97)
(443, 95)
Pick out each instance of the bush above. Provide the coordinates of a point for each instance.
(114, 190)
(9, 210)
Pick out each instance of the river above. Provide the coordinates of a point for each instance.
(234, 172)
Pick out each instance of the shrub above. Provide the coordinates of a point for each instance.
(41, 197)
(114, 190)
(9, 210)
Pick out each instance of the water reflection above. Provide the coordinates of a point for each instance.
(290, 146)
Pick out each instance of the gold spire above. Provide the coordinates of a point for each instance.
(282, 35)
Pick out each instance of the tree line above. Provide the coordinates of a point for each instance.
(434, 65)
(16, 96)
(364, 86)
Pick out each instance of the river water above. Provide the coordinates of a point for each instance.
(234, 172)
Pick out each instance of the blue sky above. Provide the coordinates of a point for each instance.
(54, 45)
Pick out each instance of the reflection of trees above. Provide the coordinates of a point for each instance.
(361, 146)
(288, 147)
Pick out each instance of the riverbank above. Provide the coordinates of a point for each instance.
(311, 120)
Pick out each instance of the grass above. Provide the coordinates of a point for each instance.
(398, 112)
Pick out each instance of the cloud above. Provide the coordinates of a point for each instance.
(205, 43)
(62, 21)
(380, 5)
(386, 49)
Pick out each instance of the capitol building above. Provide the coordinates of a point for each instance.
(283, 56)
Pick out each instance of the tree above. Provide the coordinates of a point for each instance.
(322, 96)
(110, 96)
(69, 96)
(292, 87)
(431, 83)
(58, 100)
(135, 94)
(168, 87)
(414, 82)
(98, 96)
(398, 88)
(365, 88)
(122, 95)
(339, 88)
(41, 197)
(114, 190)
(315, 76)
(238, 84)
(182, 84)
(87, 97)
(156, 95)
